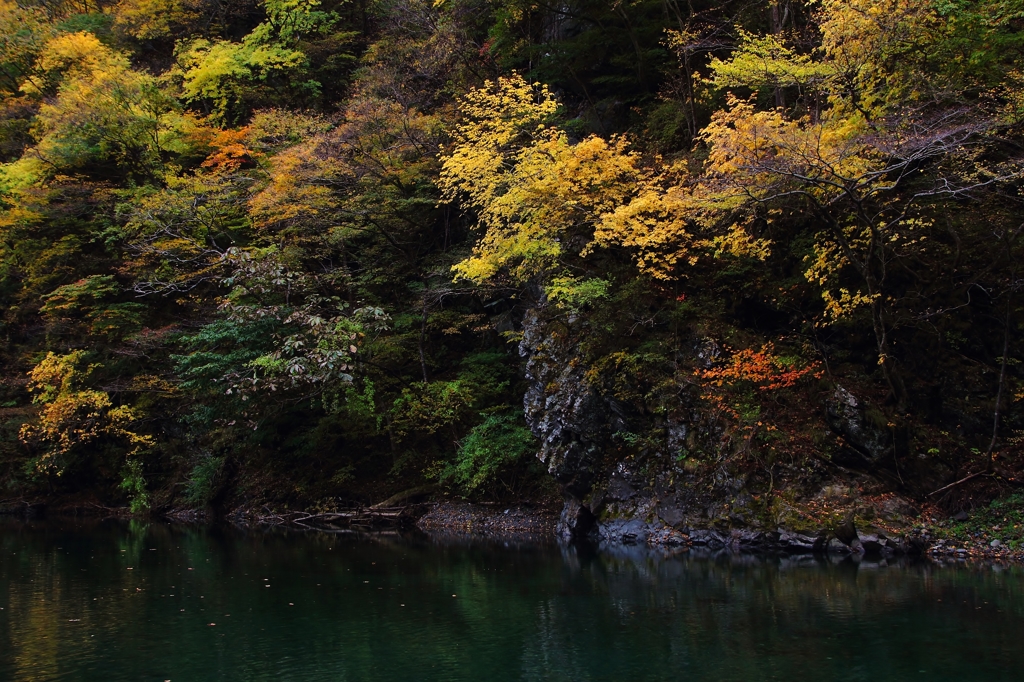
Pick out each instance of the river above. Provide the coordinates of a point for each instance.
(137, 601)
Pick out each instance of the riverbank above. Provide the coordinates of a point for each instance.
(515, 522)
(990, 534)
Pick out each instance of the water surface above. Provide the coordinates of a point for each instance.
(147, 601)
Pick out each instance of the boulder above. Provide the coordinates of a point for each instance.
(575, 521)
(871, 543)
(869, 441)
(626, 531)
(837, 546)
(708, 538)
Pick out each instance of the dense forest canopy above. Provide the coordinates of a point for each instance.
(288, 250)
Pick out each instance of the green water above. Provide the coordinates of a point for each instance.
(117, 601)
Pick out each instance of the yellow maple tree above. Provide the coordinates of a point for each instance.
(532, 187)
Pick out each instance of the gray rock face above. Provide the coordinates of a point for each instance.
(869, 442)
(677, 489)
(707, 538)
(628, 531)
(670, 512)
(572, 421)
(742, 539)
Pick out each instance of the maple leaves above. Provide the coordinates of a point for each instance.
(761, 368)
(734, 388)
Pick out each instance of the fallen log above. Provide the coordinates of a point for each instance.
(367, 517)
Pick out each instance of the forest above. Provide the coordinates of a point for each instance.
(303, 253)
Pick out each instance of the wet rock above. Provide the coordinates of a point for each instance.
(995, 544)
(575, 521)
(846, 532)
(668, 537)
(797, 542)
(961, 516)
(709, 538)
(871, 543)
(837, 546)
(891, 546)
(628, 531)
(748, 539)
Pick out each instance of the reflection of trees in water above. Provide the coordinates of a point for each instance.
(521, 612)
(555, 652)
(32, 646)
(748, 617)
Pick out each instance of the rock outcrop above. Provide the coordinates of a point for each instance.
(651, 494)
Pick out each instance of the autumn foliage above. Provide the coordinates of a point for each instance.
(321, 243)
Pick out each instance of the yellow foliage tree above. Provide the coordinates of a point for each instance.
(72, 415)
(103, 112)
(871, 141)
(862, 162)
(534, 190)
(23, 33)
(149, 19)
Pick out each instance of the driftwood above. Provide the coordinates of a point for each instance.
(406, 496)
(365, 518)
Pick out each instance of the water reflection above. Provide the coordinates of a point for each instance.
(115, 601)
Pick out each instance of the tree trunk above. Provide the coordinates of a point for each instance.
(423, 336)
(886, 357)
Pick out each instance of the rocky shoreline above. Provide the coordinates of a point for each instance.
(790, 542)
(542, 524)
(518, 522)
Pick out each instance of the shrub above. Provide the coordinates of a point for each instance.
(492, 453)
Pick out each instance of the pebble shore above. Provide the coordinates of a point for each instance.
(521, 522)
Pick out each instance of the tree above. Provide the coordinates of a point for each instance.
(106, 120)
(73, 415)
(536, 194)
(869, 166)
(268, 66)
